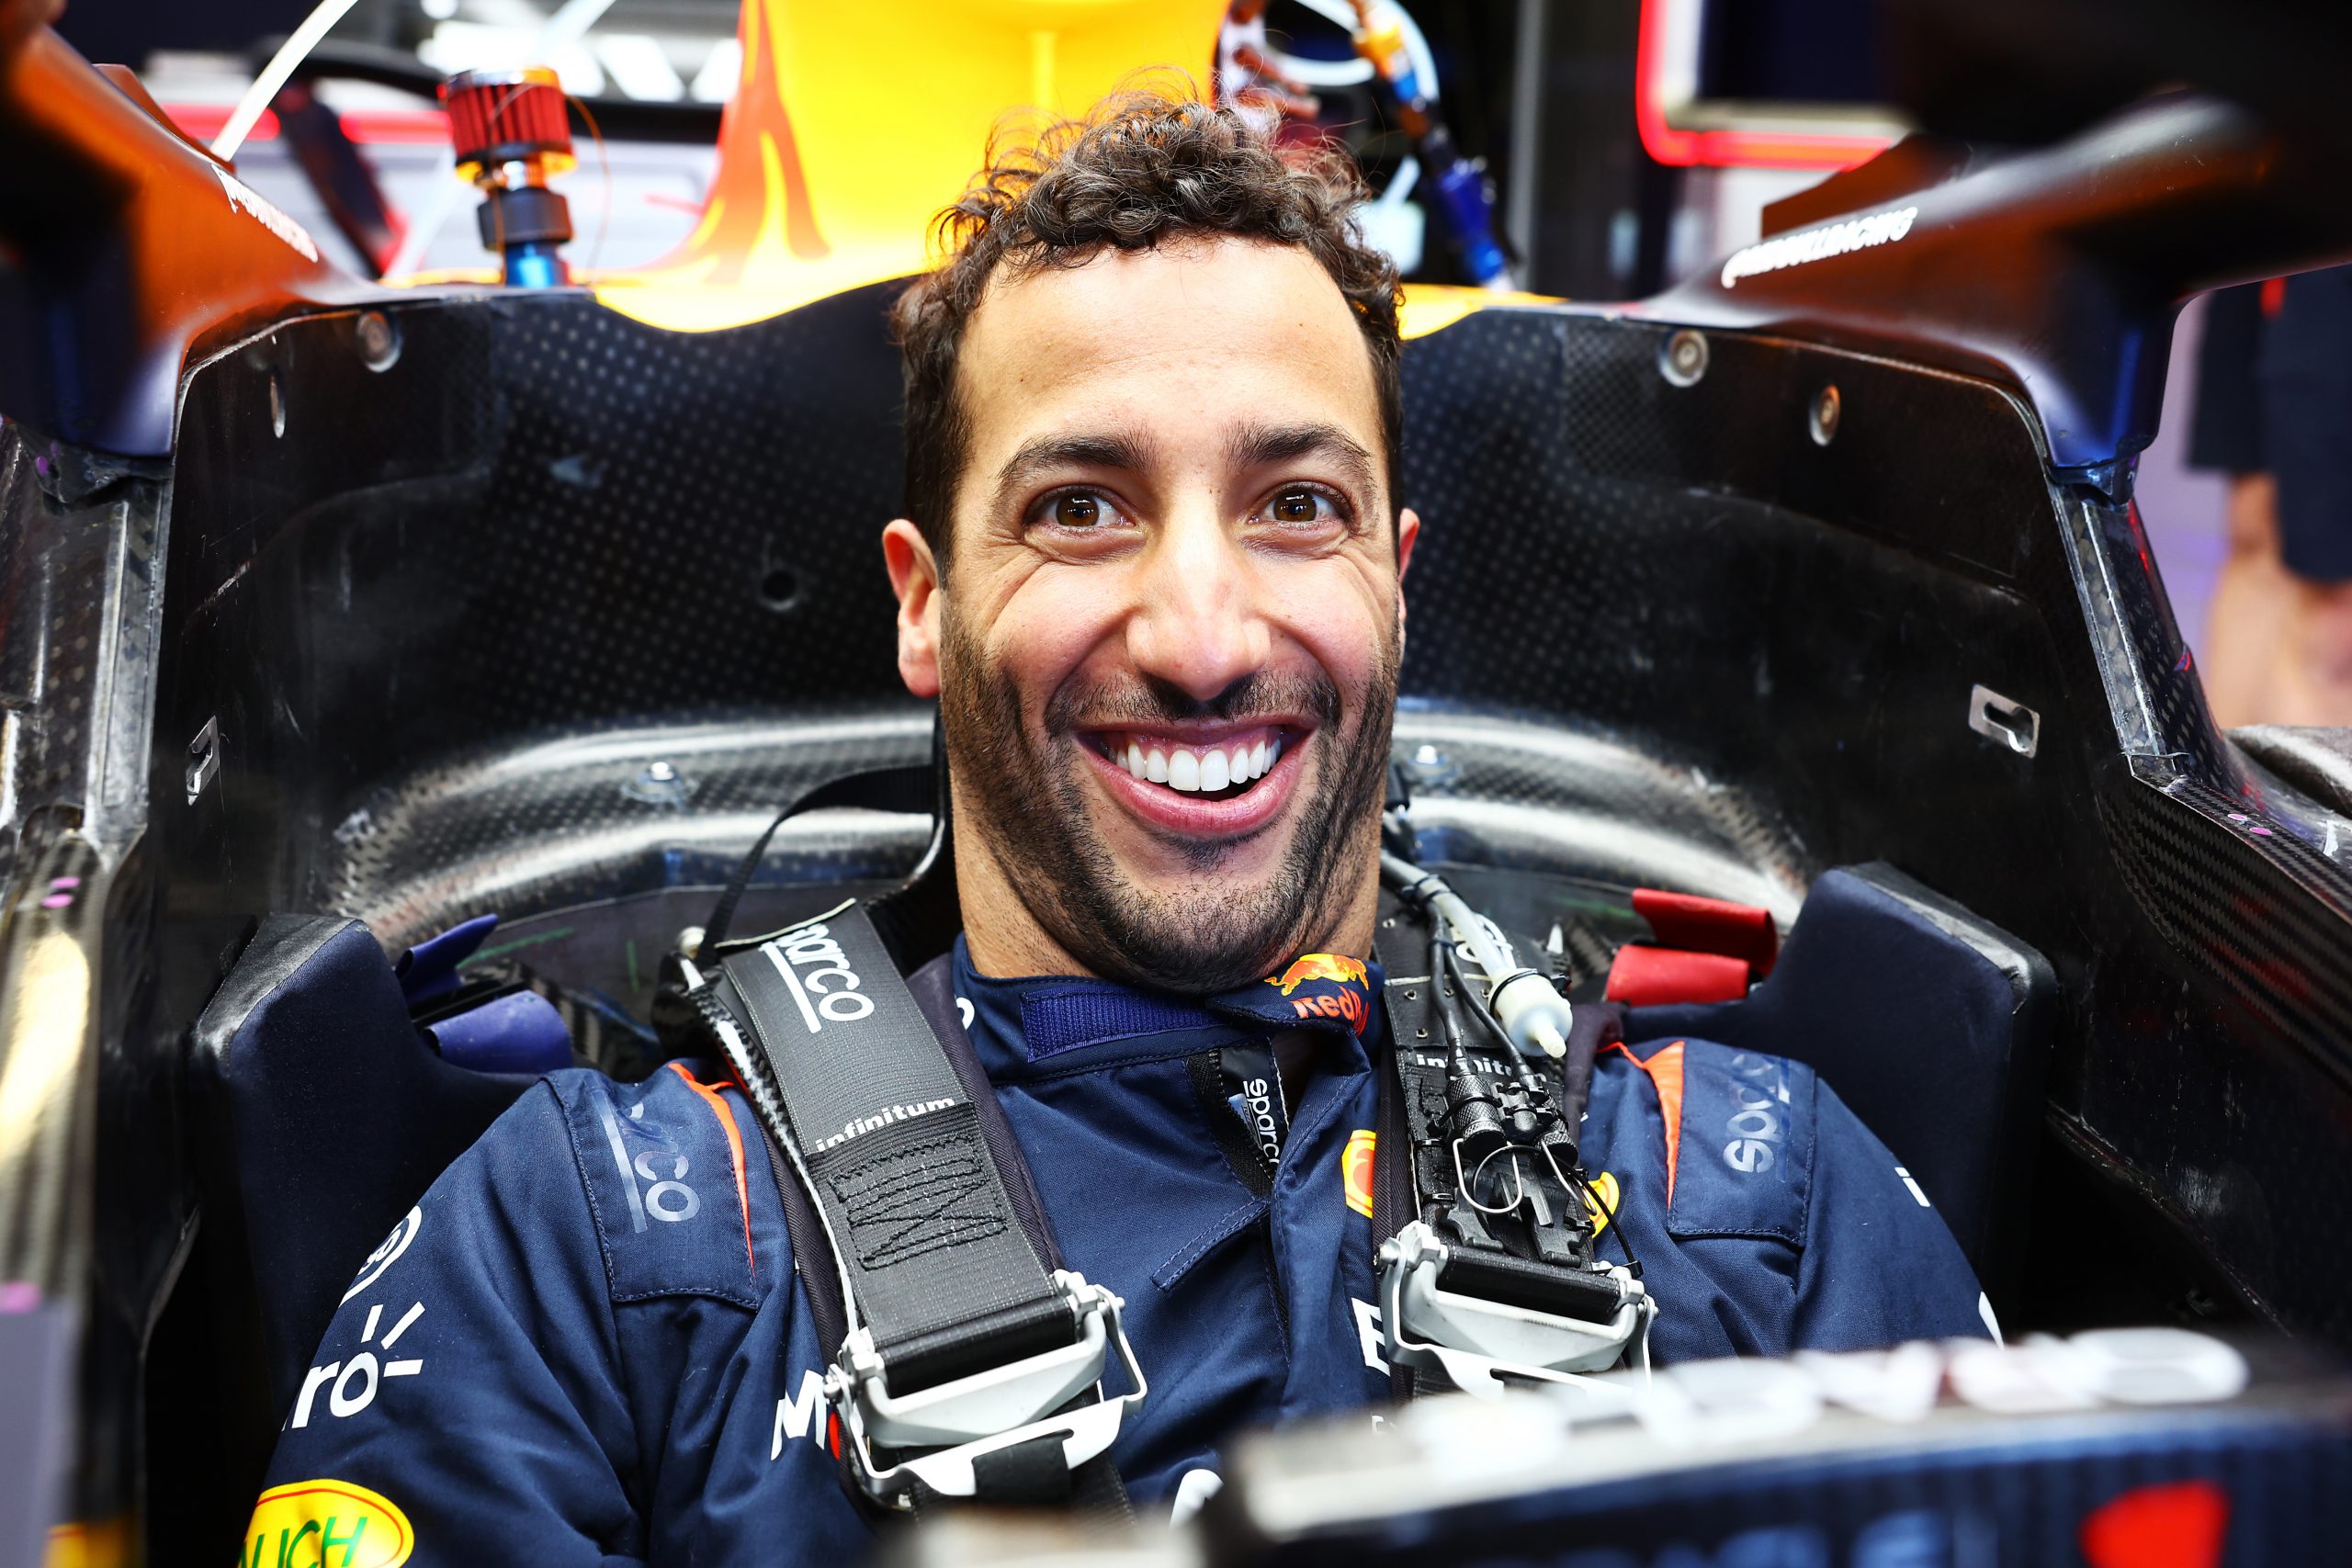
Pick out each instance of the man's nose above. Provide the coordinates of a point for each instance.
(1198, 623)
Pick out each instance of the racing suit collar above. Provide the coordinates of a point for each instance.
(1024, 1026)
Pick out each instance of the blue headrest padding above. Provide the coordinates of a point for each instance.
(329, 1118)
(518, 1032)
(429, 968)
(1927, 1022)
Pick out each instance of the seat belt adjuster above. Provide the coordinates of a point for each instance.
(1587, 1322)
(937, 1436)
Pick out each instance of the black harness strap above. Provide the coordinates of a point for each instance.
(933, 988)
(1413, 1174)
(913, 1188)
(1402, 948)
(890, 1138)
(908, 789)
(1392, 1207)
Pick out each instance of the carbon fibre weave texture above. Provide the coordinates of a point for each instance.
(1651, 626)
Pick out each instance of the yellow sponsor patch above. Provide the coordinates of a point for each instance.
(1355, 1168)
(326, 1524)
(1603, 1191)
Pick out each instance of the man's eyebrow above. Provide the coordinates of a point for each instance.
(1259, 445)
(1116, 450)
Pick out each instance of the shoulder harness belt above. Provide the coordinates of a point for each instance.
(968, 1362)
(1487, 1270)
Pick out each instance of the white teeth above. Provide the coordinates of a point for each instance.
(1194, 772)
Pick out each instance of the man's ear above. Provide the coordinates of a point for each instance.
(914, 578)
(1409, 532)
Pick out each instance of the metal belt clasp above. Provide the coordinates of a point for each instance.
(1478, 1343)
(953, 1424)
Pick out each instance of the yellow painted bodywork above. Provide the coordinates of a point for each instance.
(853, 124)
(1429, 307)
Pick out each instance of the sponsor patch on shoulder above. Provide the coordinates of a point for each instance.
(353, 1528)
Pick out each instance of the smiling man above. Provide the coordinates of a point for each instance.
(1158, 477)
(1152, 572)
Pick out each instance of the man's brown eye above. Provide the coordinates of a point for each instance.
(1295, 506)
(1077, 512)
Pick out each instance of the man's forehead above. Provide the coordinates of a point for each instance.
(1221, 328)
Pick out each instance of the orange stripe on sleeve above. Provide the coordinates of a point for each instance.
(734, 1148)
(1664, 1070)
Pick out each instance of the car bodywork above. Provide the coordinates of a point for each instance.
(410, 604)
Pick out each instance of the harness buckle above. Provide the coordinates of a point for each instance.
(1478, 1343)
(956, 1423)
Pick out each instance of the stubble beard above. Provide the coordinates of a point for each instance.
(1210, 933)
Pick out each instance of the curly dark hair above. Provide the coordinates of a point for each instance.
(1145, 165)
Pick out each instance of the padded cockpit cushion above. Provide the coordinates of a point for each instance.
(1929, 1023)
(330, 1118)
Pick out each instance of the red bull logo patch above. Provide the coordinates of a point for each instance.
(1336, 966)
(1327, 985)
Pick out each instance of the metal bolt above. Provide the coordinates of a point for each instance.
(1684, 358)
(379, 341)
(659, 783)
(1823, 422)
(1430, 768)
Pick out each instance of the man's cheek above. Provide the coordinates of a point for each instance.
(1045, 636)
(1340, 611)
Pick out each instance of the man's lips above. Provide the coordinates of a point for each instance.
(1200, 781)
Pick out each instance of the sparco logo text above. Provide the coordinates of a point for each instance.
(822, 983)
(1258, 1095)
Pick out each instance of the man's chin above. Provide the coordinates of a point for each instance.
(1182, 948)
(1191, 913)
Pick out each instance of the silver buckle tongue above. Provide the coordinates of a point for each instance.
(1475, 1343)
(959, 1420)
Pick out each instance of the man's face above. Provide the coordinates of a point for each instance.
(1167, 646)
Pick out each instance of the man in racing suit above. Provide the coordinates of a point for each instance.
(1151, 572)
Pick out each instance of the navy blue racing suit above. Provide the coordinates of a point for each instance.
(587, 1345)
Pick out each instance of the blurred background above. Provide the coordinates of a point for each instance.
(1623, 146)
